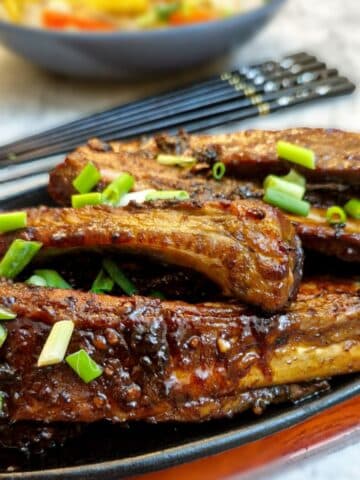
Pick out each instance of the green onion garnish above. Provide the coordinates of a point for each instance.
(117, 189)
(56, 344)
(102, 283)
(19, 254)
(119, 277)
(335, 215)
(87, 179)
(12, 221)
(218, 170)
(352, 208)
(83, 199)
(6, 314)
(3, 335)
(164, 11)
(36, 281)
(287, 202)
(294, 177)
(157, 294)
(167, 195)
(2, 401)
(52, 279)
(180, 160)
(293, 153)
(292, 189)
(84, 366)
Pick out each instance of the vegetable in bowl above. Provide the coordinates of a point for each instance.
(107, 15)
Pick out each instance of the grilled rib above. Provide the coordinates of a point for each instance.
(252, 153)
(248, 155)
(140, 161)
(147, 171)
(38, 437)
(171, 360)
(342, 241)
(247, 248)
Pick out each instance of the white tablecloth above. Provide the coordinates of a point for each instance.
(31, 100)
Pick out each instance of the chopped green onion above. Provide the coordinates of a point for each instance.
(180, 160)
(157, 294)
(352, 208)
(87, 179)
(102, 283)
(36, 281)
(286, 202)
(167, 195)
(3, 335)
(292, 189)
(117, 189)
(12, 221)
(335, 215)
(119, 277)
(83, 199)
(164, 11)
(53, 279)
(293, 153)
(6, 314)
(56, 344)
(2, 401)
(19, 254)
(11, 156)
(294, 177)
(84, 366)
(218, 170)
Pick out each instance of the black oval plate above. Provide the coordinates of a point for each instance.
(107, 452)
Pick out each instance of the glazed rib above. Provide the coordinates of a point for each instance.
(140, 161)
(316, 234)
(247, 155)
(171, 360)
(38, 437)
(252, 153)
(247, 248)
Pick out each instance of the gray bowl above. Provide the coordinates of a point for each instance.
(134, 54)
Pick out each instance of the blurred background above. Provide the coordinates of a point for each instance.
(32, 100)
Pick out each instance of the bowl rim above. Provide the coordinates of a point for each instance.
(264, 9)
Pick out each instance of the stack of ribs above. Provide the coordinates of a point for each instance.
(240, 327)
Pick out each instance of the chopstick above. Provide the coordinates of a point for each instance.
(243, 108)
(38, 178)
(297, 95)
(292, 98)
(114, 124)
(216, 85)
(238, 95)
